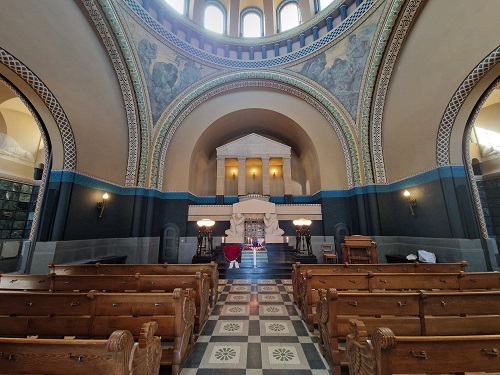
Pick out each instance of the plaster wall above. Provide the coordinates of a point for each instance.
(54, 40)
(306, 131)
(431, 66)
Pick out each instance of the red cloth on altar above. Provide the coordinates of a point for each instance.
(232, 252)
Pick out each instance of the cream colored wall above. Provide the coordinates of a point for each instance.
(445, 44)
(56, 40)
(321, 155)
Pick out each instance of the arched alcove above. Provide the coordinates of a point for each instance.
(317, 154)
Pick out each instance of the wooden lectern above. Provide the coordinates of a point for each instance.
(359, 249)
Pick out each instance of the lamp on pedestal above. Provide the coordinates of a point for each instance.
(205, 238)
(302, 235)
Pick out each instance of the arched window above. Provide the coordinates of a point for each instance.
(214, 17)
(288, 15)
(319, 5)
(180, 6)
(252, 23)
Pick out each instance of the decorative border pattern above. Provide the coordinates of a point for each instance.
(385, 74)
(451, 112)
(126, 90)
(62, 122)
(282, 82)
(249, 64)
(133, 70)
(390, 21)
(34, 226)
(470, 172)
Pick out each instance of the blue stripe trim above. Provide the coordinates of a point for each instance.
(59, 176)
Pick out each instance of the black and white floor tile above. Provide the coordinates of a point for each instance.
(255, 329)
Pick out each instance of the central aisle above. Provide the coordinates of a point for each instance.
(255, 329)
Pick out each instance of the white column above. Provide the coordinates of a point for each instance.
(241, 176)
(287, 175)
(266, 185)
(221, 176)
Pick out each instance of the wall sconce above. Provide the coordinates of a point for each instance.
(411, 201)
(253, 174)
(274, 173)
(102, 204)
(234, 174)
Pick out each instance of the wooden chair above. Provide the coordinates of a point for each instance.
(329, 253)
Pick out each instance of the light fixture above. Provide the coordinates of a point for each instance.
(274, 173)
(205, 239)
(302, 222)
(302, 236)
(412, 202)
(234, 174)
(253, 172)
(102, 204)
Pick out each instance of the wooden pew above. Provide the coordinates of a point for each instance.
(479, 280)
(299, 268)
(312, 282)
(387, 353)
(116, 355)
(117, 283)
(400, 311)
(143, 269)
(97, 315)
(420, 313)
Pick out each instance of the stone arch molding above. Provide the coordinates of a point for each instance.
(453, 108)
(62, 122)
(235, 81)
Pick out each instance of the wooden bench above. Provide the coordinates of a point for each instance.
(401, 311)
(369, 282)
(299, 268)
(117, 283)
(97, 315)
(387, 353)
(144, 269)
(420, 313)
(116, 355)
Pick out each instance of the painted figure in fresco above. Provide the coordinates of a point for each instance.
(164, 78)
(357, 50)
(147, 53)
(314, 67)
(189, 75)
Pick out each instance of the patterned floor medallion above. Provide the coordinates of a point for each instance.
(255, 329)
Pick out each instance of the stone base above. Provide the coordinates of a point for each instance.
(234, 239)
(305, 259)
(202, 259)
(270, 238)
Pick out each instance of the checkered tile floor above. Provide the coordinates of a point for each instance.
(255, 329)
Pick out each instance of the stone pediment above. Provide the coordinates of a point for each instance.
(254, 206)
(253, 145)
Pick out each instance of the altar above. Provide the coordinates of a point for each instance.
(254, 219)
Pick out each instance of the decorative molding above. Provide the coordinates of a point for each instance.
(55, 109)
(133, 70)
(468, 162)
(171, 38)
(255, 79)
(127, 94)
(373, 70)
(385, 73)
(451, 112)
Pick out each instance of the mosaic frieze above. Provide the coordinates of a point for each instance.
(166, 72)
(340, 68)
